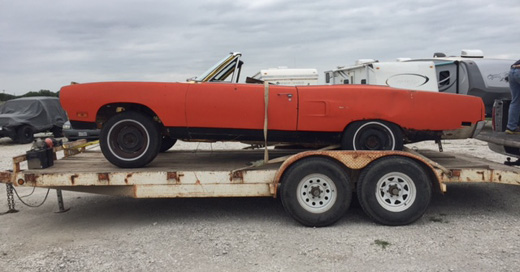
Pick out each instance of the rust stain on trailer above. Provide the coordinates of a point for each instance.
(483, 175)
(129, 175)
(103, 177)
(174, 176)
(30, 178)
(73, 178)
(5, 176)
(237, 175)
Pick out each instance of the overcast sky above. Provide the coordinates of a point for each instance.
(48, 44)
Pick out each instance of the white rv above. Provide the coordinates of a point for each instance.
(470, 73)
(286, 76)
(405, 75)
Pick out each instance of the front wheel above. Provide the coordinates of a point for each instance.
(394, 190)
(24, 134)
(130, 140)
(316, 191)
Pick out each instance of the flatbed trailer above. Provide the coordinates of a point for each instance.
(315, 187)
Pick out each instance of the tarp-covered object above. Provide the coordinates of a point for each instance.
(41, 113)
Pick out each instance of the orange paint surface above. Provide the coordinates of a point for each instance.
(303, 108)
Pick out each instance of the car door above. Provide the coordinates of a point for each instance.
(230, 107)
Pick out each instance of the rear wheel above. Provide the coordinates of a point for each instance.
(316, 191)
(24, 134)
(166, 143)
(130, 140)
(372, 135)
(394, 190)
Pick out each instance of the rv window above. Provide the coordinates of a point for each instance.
(444, 78)
(363, 81)
(345, 81)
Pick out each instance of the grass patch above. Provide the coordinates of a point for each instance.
(439, 219)
(381, 243)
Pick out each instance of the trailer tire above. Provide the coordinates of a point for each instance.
(394, 190)
(24, 134)
(372, 135)
(130, 140)
(166, 143)
(316, 191)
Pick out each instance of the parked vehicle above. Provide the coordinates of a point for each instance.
(137, 117)
(287, 76)
(497, 139)
(21, 118)
(419, 76)
(470, 74)
(76, 134)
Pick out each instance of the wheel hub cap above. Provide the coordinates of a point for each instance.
(395, 192)
(316, 193)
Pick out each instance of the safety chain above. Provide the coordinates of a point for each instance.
(10, 199)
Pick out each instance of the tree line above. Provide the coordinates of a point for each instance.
(5, 97)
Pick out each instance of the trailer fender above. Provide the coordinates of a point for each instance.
(357, 160)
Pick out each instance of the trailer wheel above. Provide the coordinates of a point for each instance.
(394, 190)
(166, 143)
(316, 191)
(372, 135)
(130, 140)
(24, 134)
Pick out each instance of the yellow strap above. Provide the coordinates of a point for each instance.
(266, 102)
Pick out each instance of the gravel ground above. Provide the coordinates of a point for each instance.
(473, 227)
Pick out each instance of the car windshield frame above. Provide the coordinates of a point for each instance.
(217, 69)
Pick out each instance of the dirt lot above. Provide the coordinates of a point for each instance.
(473, 227)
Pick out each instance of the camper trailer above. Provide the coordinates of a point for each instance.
(405, 75)
(286, 76)
(470, 73)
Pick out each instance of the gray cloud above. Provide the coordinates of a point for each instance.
(47, 44)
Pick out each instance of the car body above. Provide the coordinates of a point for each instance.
(208, 108)
(76, 134)
(21, 118)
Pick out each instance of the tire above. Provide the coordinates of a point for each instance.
(410, 194)
(24, 134)
(166, 143)
(57, 132)
(130, 140)
(372, 135)
(316, 191)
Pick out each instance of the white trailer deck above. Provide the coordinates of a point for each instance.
(228, 174)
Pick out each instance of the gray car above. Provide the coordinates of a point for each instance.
(21, 118)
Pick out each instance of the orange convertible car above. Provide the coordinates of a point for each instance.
(140, 119)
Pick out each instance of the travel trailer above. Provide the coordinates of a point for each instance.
(470, 73)
(405, 75)
(286, 76)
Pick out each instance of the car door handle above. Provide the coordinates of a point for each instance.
(290, 95)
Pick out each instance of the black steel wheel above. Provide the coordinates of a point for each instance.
(130, 140)
(24, 134)
(372, 135)
(316, 191)
(166, 143)
(394, 190)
